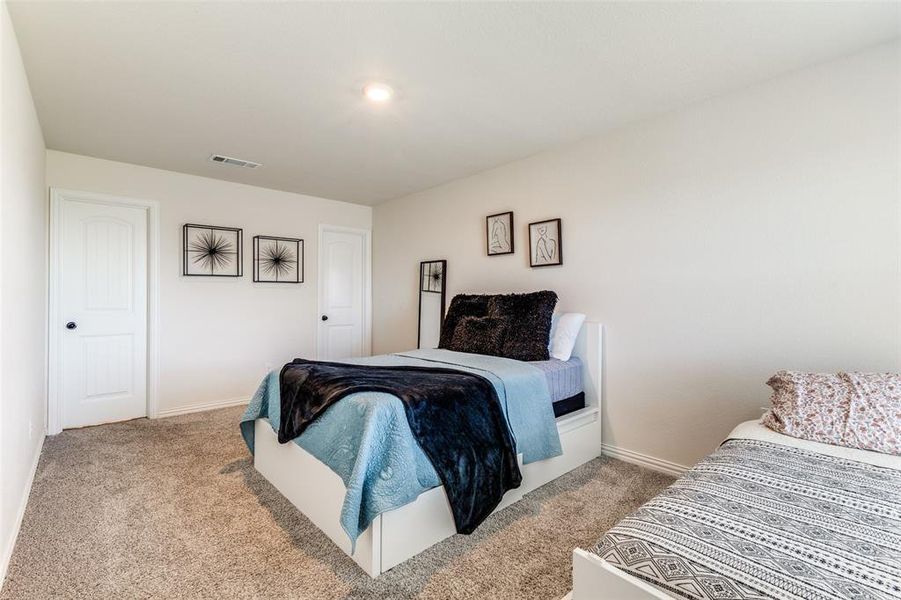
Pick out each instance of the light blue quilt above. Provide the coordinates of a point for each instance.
(366, 440)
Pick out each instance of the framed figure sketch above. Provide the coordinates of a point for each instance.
(499, 233)
(545, 243)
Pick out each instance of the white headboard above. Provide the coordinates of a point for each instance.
(590, 349)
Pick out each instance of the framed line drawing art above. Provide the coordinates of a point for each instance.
(277, 259)
(212, 251)
(499, 233)
(545, 243)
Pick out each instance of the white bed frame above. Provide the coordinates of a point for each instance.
(400, 534)
(596, 579)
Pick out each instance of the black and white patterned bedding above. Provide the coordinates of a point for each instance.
(762, 520)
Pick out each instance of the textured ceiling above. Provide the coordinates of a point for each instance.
(165, 84)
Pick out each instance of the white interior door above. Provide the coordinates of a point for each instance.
(102, 300)
(342, 293)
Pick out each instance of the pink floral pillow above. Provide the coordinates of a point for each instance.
(811, 406)
(857, 410)
(874, 421)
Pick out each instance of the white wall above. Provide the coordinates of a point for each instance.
(218, 335)
(23, 298)
(753, 232)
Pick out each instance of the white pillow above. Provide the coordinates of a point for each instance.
(564, 331)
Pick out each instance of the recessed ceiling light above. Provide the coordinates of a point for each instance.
(378, 92)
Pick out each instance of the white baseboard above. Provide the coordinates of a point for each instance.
(643, 460)
(10, 544)
(193, 408)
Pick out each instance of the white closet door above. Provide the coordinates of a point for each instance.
(341, 294)
(103, 313)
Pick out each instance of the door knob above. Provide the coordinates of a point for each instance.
(325, 317)
(71, 325)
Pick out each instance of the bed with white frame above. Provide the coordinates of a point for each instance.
(596, 579)
(400, 534)
(866, 558)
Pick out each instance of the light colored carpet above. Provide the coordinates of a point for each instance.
(173, 508)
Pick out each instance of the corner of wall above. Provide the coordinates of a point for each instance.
(9, 544)
(23, 315)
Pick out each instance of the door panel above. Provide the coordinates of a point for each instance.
(103, 280)
(342, 274)
(108, 258)
(107, 366)
(342, 289)
(341, 341)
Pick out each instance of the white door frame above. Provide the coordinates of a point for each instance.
(54, 394)
(367, 283)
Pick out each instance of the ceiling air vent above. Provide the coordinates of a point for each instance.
(235, 162)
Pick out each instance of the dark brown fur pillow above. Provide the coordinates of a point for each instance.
(463, 305)
(480, 335)
(529, 317)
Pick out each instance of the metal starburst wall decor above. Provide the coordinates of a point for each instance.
(277, 259)
(212, 251)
